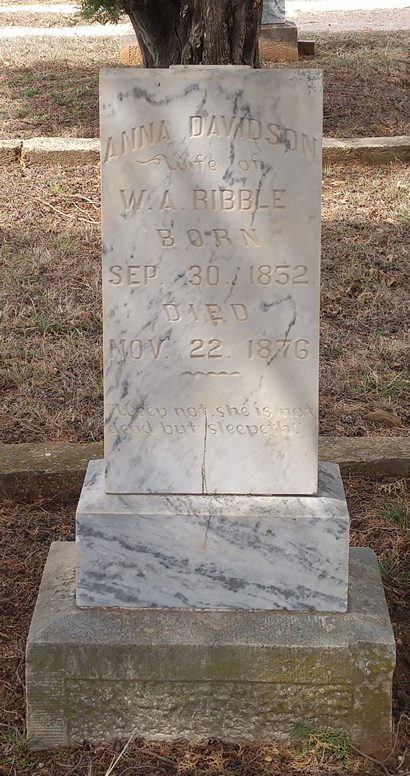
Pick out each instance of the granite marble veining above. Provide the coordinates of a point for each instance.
(213, 552)
(211, 183)
(273, 12)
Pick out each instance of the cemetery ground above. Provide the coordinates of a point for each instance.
(380, 519)
(48, 87)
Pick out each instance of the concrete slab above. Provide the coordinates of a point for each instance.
(56, 150)
(70, 152)
(104, 674)
(366, 150)
(38, 470)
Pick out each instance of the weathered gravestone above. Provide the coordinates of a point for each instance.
(273, 12)
(210, 497)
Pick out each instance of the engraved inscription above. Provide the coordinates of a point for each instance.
(135, 349)
(132, 201)
(133, 275)
(238, 199)
(211, 248)
(254, 420)
(282, 274)
(210, 349)
(198, 276)
(217, 237)
(252, 129)
(199, 162)
(270, 349)
(203, 312)
(136, 138)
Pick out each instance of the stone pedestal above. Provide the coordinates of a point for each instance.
(279, 42)
(130, 52)
(99, 674)
(213, 552)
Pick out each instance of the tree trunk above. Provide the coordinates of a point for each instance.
(207, 32)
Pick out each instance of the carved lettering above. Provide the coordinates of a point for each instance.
(166, 201)
(178, 428)
(136, 139)
(195, 238)
(219, 237)
(206, 311)
(133, 275)
(269, 428)
(248, 128)
(270, 349)
(131, 202)
(210, 349)
(140, 201)
(226, 200)
(279, 274)
(134, 349)
(166, 238)
(250, 237)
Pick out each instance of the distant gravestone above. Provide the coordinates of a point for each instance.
(273, 12)
(211, 232)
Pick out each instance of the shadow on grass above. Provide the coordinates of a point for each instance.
(50, 99)
(55, 90)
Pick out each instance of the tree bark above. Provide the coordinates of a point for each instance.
(207, 32)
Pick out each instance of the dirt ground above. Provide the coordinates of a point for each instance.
(380, 519)
(50, 86)
(50, 371)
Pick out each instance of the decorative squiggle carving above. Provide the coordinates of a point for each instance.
(154, 160)
(214, 374)
(183, 164)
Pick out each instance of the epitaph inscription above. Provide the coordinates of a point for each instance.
(211, 242)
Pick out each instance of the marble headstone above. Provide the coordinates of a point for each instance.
(273, 12)
(211, 189)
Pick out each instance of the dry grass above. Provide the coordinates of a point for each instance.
(50, 86)
(366, 79)
(365, 297)
(379, 519)
(51, 377)
(50, 372)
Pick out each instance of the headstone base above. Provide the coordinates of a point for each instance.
(279, 42)
(213, 552)
(103, 674)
